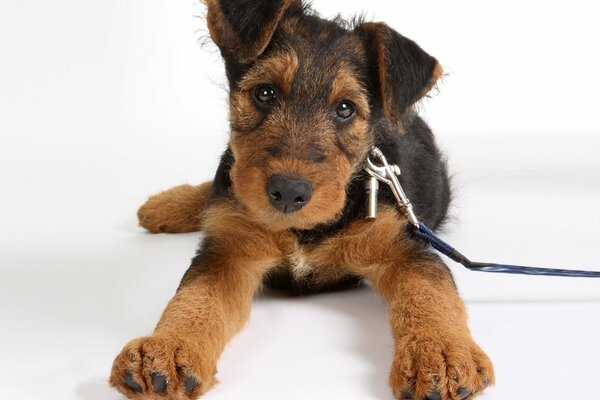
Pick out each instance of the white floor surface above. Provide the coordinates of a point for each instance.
(79, 279)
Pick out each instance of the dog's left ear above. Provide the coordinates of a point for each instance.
(402, 71)
(242, 29)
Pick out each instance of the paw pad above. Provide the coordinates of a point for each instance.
(463, 393)
(130, 381)
(159, 382)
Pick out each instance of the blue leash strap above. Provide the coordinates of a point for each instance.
(424, 233)
(381, 171)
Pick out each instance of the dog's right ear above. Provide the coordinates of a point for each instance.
(243, 28)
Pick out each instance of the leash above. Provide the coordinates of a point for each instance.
(382, 171)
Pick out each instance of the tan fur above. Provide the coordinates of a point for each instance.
(250, 180)
(209, 308)
(176, 210)
(279, 70)
(438, 71)
(434, 347)
(346, 87)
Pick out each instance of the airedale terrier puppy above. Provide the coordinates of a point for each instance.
(308, 98)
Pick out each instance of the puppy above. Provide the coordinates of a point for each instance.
(308, 98)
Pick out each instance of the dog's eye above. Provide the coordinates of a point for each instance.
(265, 95)
(344, 109)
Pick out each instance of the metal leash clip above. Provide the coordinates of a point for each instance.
(388, 174)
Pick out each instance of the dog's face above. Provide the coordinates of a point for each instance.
(305, 97)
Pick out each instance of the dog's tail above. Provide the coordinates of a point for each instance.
(176, 210)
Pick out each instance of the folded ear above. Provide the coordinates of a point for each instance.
(402, 71)
(243, 28)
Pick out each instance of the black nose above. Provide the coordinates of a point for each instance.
(287, 194)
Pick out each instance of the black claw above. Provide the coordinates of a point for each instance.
(407, 394)
(485, 379)
(463, 393)
(189, 383)
(133, 385)
(159, 381)
(435, 395)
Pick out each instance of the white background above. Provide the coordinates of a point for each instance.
(105, 102)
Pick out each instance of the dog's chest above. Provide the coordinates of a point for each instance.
(299, 265)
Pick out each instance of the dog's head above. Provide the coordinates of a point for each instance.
(305, 97)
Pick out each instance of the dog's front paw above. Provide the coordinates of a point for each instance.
(439, 367)
(170, 368)
(176, 210)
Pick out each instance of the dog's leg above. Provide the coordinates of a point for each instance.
(176, 210)
(179, 359)
(212, 303)
(435, 355)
